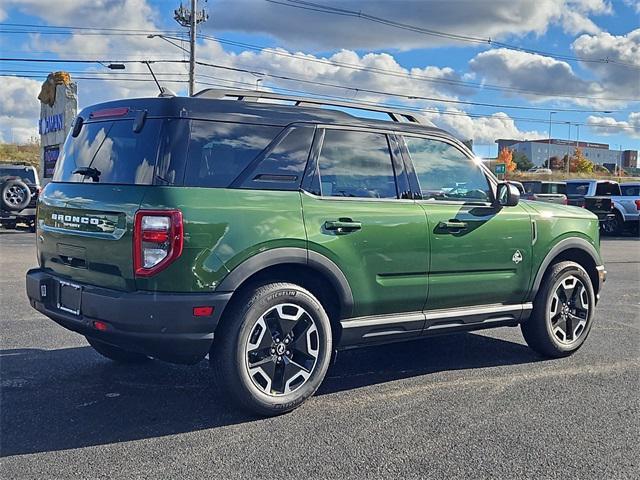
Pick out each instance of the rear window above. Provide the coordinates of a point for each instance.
(578, 189)
(218, 152)
(27, 174)
(607, 189)
(120, 155)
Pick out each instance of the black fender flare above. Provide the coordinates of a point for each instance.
(558, 248)
(292, 255)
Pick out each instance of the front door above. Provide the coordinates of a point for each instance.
(353, 216)
(480, 254)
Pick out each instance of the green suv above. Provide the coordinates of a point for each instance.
(269, 235)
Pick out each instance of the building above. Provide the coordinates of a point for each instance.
(538, 151)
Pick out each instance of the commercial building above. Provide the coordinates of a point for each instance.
(538, 151)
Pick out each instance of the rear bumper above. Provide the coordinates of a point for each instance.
(26, 213)
(161, 325)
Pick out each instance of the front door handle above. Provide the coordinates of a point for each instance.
(453, 225)
(343, 225)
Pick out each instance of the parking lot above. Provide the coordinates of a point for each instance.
(477, 405)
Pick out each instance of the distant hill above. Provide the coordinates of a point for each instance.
(28, 153)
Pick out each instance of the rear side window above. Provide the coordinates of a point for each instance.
(532, 187)
(607, 189)
(120, 155)
(218, 152)
(630, 190)
(356, 164)
(282, 167)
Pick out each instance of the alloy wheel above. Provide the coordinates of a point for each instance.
(569, 310)
(282, 349)
(14, 195)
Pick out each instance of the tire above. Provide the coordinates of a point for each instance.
(15, 195)
(272, 349)
(116, 354)
(550, 321)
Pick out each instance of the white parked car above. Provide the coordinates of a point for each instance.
(540, 170)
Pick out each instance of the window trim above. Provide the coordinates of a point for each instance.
(310, 182)
(492, 181)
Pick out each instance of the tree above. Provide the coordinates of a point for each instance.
(579, 163)
(506, 156)
(522, 161)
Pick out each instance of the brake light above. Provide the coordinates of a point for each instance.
(637, 204)
(110, 112)
(158, 238)
(565, 201)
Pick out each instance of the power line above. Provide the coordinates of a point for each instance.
(315, 7)
(378, 70)
(339, 86)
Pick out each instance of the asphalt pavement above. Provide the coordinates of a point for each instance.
(478, 405)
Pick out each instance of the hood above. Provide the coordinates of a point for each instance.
(555, 210)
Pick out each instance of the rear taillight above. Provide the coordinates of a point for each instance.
(565, 201)
(158, 237)
(637, 204)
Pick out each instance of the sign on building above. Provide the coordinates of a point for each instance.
(58, 108)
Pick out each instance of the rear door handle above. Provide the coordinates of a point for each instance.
(453, 225)
(343, 225)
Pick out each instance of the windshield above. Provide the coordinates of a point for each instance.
(27, 174)
(117, 153)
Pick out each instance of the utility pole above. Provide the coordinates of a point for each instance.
(190, 18)
(549, 144)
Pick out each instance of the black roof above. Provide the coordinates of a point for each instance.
(254, 112)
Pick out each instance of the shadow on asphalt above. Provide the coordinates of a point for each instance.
(73, 398)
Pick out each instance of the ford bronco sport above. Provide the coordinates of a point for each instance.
(269, 235)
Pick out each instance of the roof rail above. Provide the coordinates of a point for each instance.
(255, 95)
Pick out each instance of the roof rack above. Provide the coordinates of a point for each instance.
(298, 101)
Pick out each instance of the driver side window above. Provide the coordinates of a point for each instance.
(445, 173)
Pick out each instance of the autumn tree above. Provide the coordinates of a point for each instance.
(579, 163)
(522, 161)
(506, 156)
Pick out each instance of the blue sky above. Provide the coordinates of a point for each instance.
(323, 47)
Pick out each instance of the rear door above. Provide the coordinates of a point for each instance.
(85, 224)
(355, 216)
(480, 254)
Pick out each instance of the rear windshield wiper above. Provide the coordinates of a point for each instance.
(90, 172)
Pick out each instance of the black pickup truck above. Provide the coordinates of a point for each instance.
(595, 196)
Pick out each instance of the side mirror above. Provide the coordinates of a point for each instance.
(507, 195)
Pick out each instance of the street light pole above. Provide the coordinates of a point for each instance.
(549, 144)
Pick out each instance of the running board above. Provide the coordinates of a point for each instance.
(395, 327)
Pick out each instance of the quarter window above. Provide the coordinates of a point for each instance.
(356, 164)
(445, 173)
(219, 151)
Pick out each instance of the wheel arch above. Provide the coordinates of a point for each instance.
(309, 269)
(571, 249)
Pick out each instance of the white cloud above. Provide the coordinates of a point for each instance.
(610, 126)
(19, 109)
(483, 130)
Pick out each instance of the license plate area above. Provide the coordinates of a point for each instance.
(69, 297)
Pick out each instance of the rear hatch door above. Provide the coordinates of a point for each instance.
(85, 220)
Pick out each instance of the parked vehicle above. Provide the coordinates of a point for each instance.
(19, 188)
(269, 235)
(605, 198)
(545, 191)
(540, 170)
(626, 209)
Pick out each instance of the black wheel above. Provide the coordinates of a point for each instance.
(562, 311)
(15, 195)
(614, 226)
(273, 348)
(116, 354)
